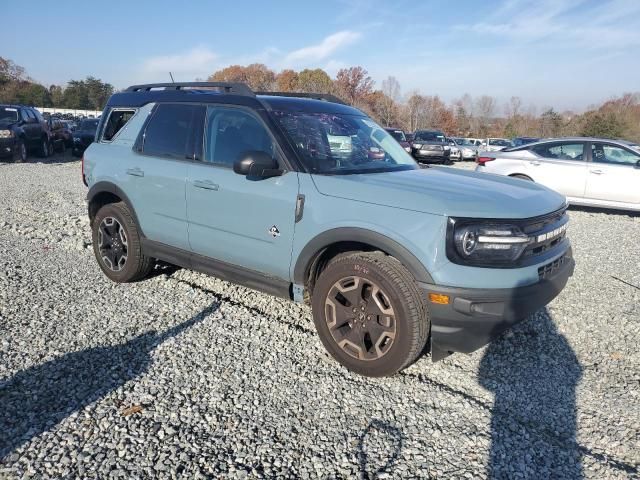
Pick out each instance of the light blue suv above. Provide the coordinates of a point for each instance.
(301, 196)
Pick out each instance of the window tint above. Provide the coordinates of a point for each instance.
(605, 153)
(231, 132)
(117, 120)
(31, 117)
(168, 131)
(560, 151)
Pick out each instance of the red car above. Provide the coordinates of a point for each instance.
(400, 137)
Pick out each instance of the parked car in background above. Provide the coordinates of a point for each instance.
(519, 141)
(400, 136)
(23, 129)
(429, 146)
(588, 171)
(84, 136)
(495, 144)
(468, 149)
(389, 256)
(61, 135)
(454, 151)
(409, 136)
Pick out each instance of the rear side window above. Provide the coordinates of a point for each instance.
(560, 151)
(606, 153)
(117, 120)
(167, 133)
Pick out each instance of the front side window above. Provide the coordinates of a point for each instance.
(167, 133)
(117, 120)
(339, 144)
(231, 133)
(606, 153)
(560, 151)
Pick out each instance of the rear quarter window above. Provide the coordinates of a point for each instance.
(117, 119)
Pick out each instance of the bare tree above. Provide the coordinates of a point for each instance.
(486, 110)
(387, 104)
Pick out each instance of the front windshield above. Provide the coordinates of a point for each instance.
(463, 142)
(429, 136)
(338, 144)
(89, 125)
(398, 135)
(8, 115)
(499, 142)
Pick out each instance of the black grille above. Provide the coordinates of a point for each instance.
(543, 226)
(550, 268)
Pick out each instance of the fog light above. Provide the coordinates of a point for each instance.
(439, 298)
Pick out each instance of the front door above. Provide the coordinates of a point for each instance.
(561, 166)
(232, 218)
(614, 174)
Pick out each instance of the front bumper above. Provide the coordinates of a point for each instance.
(428, 156)
(7, 147)
(474, 317)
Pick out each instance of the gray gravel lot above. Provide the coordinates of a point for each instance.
(183, 375)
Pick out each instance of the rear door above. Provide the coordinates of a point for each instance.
(614, 174)
(156, 173)
(238, 220)
(560, 166)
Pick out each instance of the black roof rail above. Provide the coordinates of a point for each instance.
(327, 97)
(226, 87)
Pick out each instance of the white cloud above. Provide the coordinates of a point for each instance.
(322, 50)
(197, 62)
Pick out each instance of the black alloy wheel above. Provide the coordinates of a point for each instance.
(113, 244)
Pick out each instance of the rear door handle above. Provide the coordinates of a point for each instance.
(597, 171)
(136, 172)
(206, 184)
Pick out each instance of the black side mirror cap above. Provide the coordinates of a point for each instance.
(257, 164)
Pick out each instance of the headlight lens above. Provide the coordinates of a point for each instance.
(408, 149)
(6, 134)
(417, 145)
(481, 244)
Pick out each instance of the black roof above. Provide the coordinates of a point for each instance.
(230, 93)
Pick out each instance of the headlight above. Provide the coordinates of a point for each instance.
(417, 145)
(6, 134)
(485, 244)
(408, 149)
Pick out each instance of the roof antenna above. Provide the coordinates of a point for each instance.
(172, 80)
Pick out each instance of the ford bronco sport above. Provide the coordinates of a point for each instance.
(301, 196)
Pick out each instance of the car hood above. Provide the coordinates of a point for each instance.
(445, 191)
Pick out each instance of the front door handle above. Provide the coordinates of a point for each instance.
(136, 172)
(206, 184)
(534, 162)
(597, 171)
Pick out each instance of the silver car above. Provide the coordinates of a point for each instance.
(588, 171)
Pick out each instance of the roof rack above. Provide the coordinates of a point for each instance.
(225, 87)
(327, 97)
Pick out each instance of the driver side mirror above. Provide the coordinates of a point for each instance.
(257, 164)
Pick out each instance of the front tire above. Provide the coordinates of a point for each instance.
(369, 313)
(44, 148)
(22, 152)
(116, 244)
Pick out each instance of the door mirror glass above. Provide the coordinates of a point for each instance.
(257, 164)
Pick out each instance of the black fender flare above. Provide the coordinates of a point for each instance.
(361, 235)
(109, 187)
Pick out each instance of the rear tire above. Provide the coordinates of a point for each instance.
(45, 147)
(369, 313)
(116, 244)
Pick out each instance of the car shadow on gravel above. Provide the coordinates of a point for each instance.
(380, 437)
(533, 373)
(35, 400)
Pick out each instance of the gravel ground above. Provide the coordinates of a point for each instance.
(183, 375)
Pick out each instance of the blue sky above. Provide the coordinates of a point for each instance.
(565, 53)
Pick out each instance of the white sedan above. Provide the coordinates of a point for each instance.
(588, 171)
